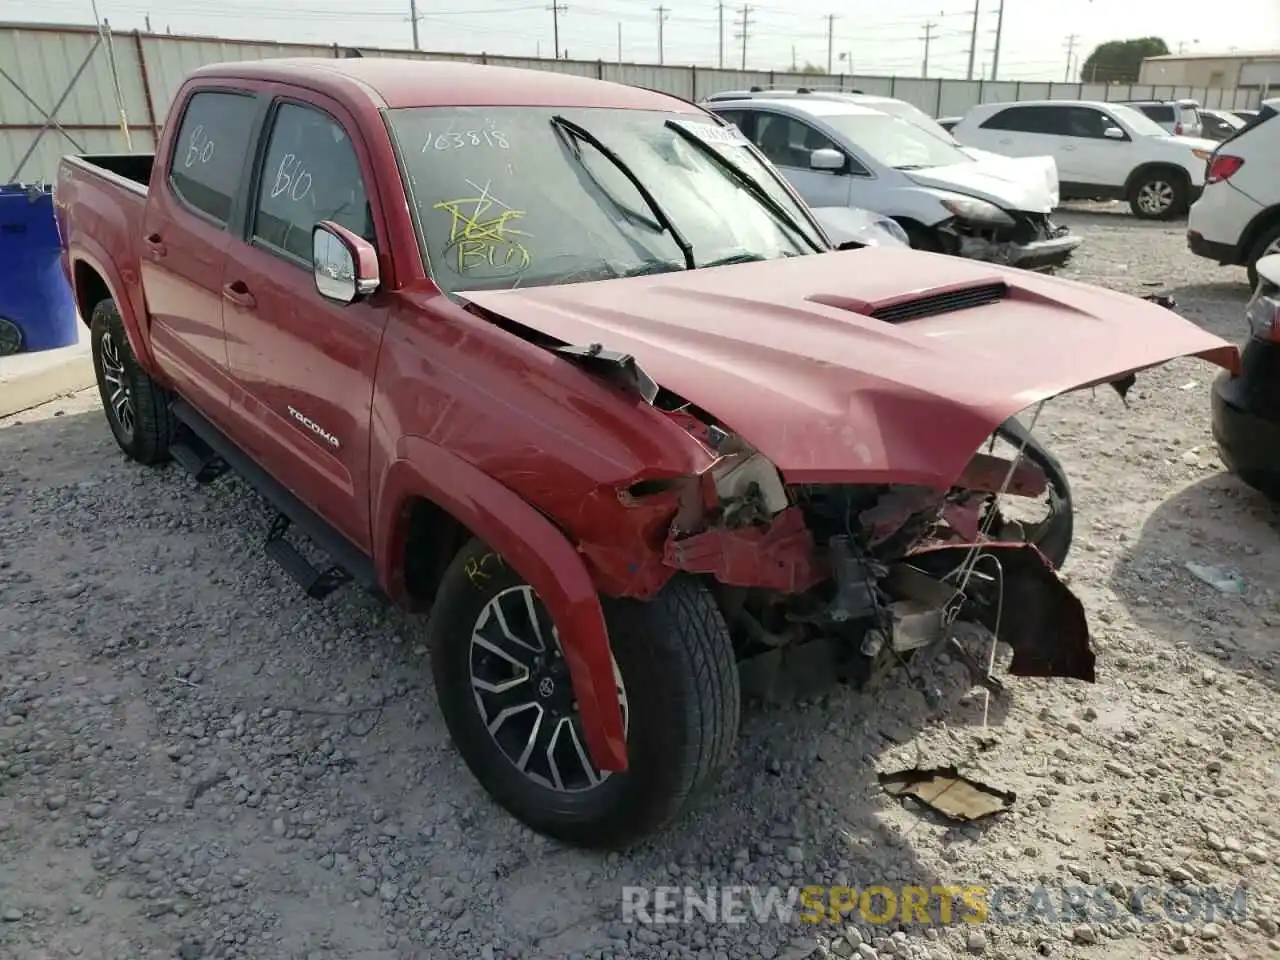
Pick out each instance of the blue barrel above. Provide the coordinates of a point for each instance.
(37, 307)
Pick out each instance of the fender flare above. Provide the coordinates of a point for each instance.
(535, 549)
(88, 252)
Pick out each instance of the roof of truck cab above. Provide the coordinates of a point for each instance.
(399, 82)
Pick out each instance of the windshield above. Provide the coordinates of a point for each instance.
(1137, 121)
(505, 197)
(895, 142)
(913, 114)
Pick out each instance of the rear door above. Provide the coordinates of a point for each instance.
(304, 366)
(185, 239)
(1016, 131)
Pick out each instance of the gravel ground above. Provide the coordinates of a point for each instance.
(196, 761)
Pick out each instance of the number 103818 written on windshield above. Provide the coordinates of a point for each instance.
(465, 139)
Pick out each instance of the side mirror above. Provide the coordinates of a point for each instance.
(826, 159)
(345, 266)
(1113, 133)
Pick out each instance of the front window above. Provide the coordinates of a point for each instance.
(1138, 122)
(505, 197)
(895, 143)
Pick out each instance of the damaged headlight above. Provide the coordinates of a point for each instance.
(976, 211)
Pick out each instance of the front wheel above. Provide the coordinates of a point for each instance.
(504, 690)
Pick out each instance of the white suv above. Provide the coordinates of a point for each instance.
(1237, 219)
(1104, 151)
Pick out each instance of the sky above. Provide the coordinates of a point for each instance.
(876, 37)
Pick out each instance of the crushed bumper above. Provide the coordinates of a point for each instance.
(1050, 252)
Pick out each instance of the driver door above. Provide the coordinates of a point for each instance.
(303, 366)
(788, 142)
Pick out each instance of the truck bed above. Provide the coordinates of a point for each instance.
(134, 167)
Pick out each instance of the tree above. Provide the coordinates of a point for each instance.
(812, 69)
(1118, 61)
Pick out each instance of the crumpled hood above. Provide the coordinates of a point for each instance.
(786, 354)
(1027, 184)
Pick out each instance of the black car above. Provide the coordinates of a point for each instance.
(1246, 408)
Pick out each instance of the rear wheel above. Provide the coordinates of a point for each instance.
(137, 407)
(1266, 245)
(1159, 195)
(504, 690)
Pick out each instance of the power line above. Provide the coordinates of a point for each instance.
(928, 37)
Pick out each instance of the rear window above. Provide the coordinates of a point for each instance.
(208, 158)
(1158, 112)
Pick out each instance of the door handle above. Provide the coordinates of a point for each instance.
(1006, 141)
(1066, 147)
(239, 294)
(155, 246)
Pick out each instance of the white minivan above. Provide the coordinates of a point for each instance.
(837, 153)
(1236, 221)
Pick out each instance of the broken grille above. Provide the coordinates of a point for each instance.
(940, 303)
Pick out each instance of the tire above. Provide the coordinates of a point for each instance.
(1159, 194)
(677, 668)
(1266, 244)
(141, 421)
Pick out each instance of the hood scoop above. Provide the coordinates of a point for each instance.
(916, 307)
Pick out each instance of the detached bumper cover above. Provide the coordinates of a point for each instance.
(1032, 242)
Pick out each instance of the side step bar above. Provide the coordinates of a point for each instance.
(208, 453)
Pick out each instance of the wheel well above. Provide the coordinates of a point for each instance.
(90, 289)
(433, 538)
(1147, 168)
(1256, 228)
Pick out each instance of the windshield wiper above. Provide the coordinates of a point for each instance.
(582, 133)
(748, 183)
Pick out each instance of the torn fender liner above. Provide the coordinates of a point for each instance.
(945, 790)
(1025, 604)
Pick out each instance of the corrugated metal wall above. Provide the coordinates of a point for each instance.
(57, 93)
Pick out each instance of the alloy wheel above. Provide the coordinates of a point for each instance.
(1155, 196)
(522, 689)
(119, 396)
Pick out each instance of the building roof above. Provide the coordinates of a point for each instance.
(1231, 55)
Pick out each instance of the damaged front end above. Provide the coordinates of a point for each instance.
(1031, 241)
(857, 579)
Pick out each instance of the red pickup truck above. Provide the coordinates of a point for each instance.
(568, 367)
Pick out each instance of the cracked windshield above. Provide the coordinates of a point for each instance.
(511, 197)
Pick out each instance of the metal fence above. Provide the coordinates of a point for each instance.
(58, 91)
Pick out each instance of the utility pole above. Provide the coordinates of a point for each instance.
(556, 9)
(662, 16)
(831, 39)
(928, 37)
(995, 57)
(720, 10)
(1071, 49)
(413, 18)
(619, 42)
(973, 38)
(742, 34)
(795, 67)
(147, 20)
